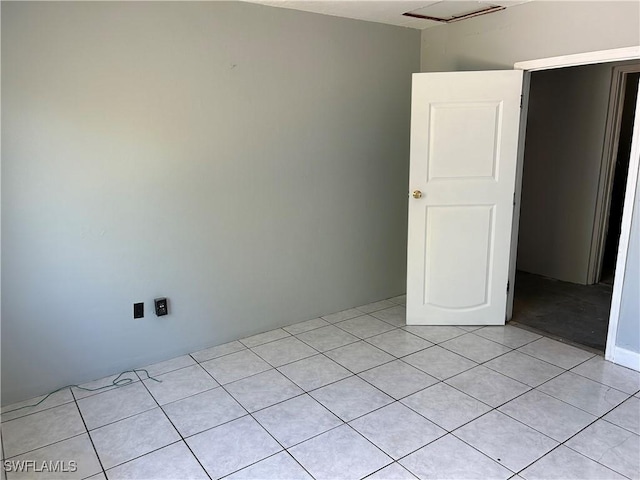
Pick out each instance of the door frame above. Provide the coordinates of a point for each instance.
(607, 168)
(601, 56)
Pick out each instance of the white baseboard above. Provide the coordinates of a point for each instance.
(626, 358)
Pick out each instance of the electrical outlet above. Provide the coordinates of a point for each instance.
(138, 310)
(162, 306)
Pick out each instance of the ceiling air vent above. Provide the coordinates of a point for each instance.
(449, 12)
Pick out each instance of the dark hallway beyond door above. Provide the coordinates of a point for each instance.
(577, 313)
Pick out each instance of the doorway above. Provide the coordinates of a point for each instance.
(622, 133)
(570, 213)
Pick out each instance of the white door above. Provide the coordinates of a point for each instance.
(464, 142)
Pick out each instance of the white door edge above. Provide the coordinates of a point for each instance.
(515, 224)
(625, 236)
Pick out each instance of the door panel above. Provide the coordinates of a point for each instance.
(464, 137)
(474, 157)
(452, 257)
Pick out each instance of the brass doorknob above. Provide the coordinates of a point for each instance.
(417, 194)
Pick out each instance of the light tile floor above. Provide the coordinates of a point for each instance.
(351, 395)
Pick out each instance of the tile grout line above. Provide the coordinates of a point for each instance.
(46, 446)
(444, 381)
(504, 344)
(286, 363)
(305, 331)
(575, 406)
(163, 372)
(589, 425)
(400, 329)
(524, 393)
(586, 456)
(386, 466)
(261, 426)
(37, 411)
(333, 348)
(90, 394)
(284, 449)
(615, 424)
(556, 338)
(575, 451)
(391, 403)
(374, 445)
(530, 388)
(119, 419)
(449, 432)
(398, 359)
(501, 373)
(518, 421)
(596, 417)
(604, 384)
(486, 413)
(217, 356)
(242, 406)
(51, 443)
(447, 378)
(290, 334)
(318, 388)
(182, 439)
(370, 368)
(566, 403)
(596, 381)
(268, 341)
(511, 349)
(342, 422)
(95, 450)
(184, 398)
(143, 455)
(305, 392)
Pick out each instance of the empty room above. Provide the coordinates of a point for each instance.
(293, 240)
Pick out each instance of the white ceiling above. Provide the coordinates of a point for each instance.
(389, 11)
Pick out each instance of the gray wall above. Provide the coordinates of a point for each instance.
(249, 163)
(562, 160)
(628, 335)
(538, 29)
